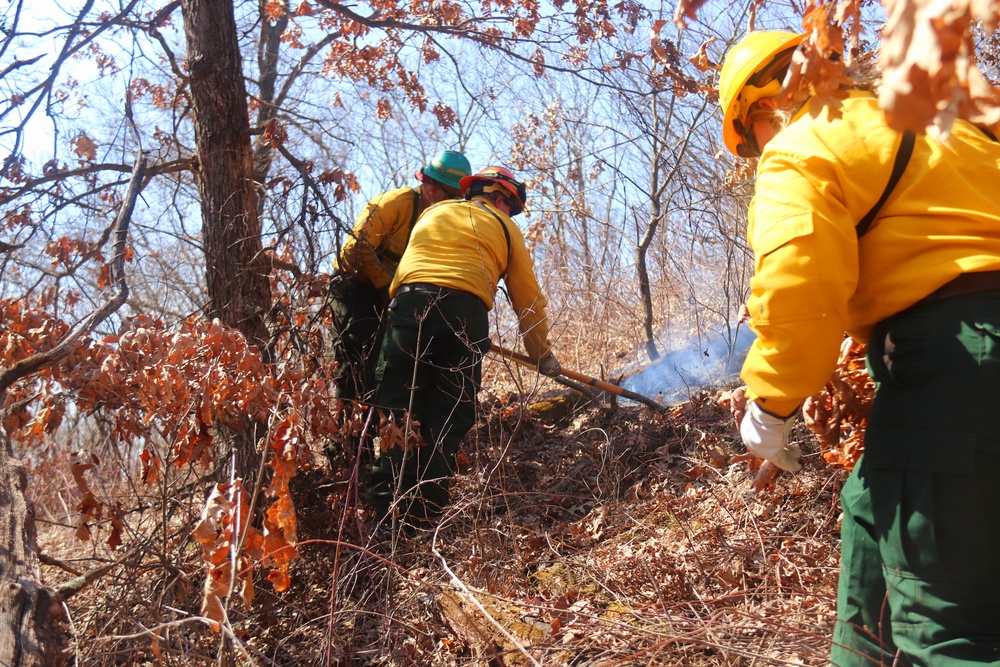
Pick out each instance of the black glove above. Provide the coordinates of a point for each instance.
(549, 365)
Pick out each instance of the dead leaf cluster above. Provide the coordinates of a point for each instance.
(838, 415)
(927, 57)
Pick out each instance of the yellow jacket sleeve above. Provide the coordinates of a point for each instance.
(814, 280)
(379, 237)
(526, 296)
(805, 270)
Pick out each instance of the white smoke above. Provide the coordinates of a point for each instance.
(708, 360)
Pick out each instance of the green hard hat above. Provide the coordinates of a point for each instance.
(447, 168)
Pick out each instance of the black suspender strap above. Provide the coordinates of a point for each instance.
(898, 167)
(413, 217)
(503, 226)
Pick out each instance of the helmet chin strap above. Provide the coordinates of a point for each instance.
(749, 147)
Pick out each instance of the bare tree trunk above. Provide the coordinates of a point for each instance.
(584, 214)
(33, 625)
(655, 217)
(239, 290)
(642, 269)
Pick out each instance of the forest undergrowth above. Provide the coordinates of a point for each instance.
(579, 534)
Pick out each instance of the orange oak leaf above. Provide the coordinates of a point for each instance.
(700, 60)
(274, 9)
(84, 146)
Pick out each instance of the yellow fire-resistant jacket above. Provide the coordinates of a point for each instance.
(379, 238)
(461, 245)
(814, 280)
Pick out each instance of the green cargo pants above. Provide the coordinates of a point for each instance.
(920, 571)
(358, 311)
(431, 359)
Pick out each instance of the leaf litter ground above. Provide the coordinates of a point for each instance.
(609, 535)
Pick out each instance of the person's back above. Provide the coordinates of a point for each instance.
(376, 244)
(368, 260)
(470, 245)
(942, 218)
(458, 244)
(431, 356)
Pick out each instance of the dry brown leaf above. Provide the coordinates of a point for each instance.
(766, 476)
(275, 134)
(247, 592)
(213, 519)
(117, 527)
(701, 60)
(80, 462)
(211, 607)
(929, 66)
(813, 73)
(686, 9)
(150, 467)
(84, 146)
(89, 507)
(274, 9)
(392, 435)
(848, 14)
(735, 402)
(221, 520)
(838, 415)
(656, 44)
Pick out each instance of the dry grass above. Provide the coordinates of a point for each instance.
(607, 536)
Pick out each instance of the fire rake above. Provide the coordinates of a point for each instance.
(587, 380)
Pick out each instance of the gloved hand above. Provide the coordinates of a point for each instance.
(549, 365)
(766, 436)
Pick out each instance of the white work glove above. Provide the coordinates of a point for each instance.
(549, 365)
(766, 436)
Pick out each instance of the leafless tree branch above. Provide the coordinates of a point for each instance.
(38, 361)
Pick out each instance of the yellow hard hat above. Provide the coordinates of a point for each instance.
(754, 54)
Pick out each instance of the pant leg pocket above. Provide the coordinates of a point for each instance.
(898, 349)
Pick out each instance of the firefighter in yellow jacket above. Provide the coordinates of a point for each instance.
(430, 363)
(895, 239)
(367, 263)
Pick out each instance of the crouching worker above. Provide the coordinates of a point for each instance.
(431, 356)
(367, 263)
(894, 238)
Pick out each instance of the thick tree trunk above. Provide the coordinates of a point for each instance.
(33, 625)
(239, 289)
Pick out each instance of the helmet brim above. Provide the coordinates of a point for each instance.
(450, 189)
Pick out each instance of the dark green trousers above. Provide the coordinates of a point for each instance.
(430, 364)
(920, 571)
(358, 311)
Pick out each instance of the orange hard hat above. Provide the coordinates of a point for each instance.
(493, 179)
